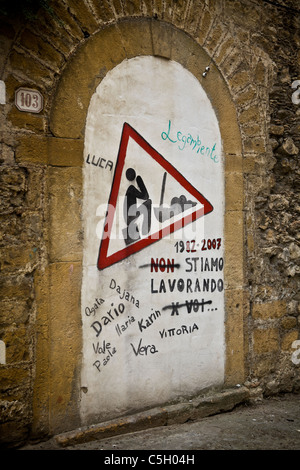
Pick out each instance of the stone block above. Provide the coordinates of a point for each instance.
(239, 80)
(179, 13)
(263, 365)
(53, 31)
(34, 200)
(223, 50)
(234, 249)
(49, 150)
(64, 344)
(103, 10)
(233, 164)
(161, 39)
(234, 191)
(58, 343)
(68, 21)
(13, 378)
(204, 26)
(13, 311)
(252, 129)
(187, 52)
(132, 8)
(118, 8)
(256, 145)
(7, 36)
(83, 15)
(269, 310)
(27, 121)
(156, 7)
(42, 49)
(243, 13)
(246, 95)
(288, 323)
(288, 339)
(13, 433)
(11, 85)
(233, 62)
(17, 343)
(65, 152)
(250, 243)
(32, 149)
(276, 129)
(136, 38)
(193, 16)
(214, 39)
(15, 287)
(168, 10)
(40, 401)
(236, 305)
(250, 115)
(288, 148)
(16, 257)
(65, 199)
(261, 74)
(30, 67)
(250, 164)
(226, 112)
(265, 340)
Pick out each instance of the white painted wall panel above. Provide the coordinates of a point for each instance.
(168, 341)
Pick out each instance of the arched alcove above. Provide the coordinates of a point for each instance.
(153, 159)
(62, 388)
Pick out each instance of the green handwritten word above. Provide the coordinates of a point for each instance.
(189, 141)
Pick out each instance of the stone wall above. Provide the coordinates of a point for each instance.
(255, 47)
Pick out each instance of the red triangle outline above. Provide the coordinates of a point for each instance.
(103, 260)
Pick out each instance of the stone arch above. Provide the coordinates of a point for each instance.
(100, 53)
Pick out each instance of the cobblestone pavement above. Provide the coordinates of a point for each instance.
(273, 424)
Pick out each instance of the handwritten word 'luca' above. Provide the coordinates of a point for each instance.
(99, 162)
(195, 144)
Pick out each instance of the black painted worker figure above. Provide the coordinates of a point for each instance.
(133, 210)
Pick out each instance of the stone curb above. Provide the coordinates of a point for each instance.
(198, 407)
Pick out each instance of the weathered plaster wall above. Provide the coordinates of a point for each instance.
(161, 343)
(253, 51)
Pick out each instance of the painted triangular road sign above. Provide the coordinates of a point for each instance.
(177, 219)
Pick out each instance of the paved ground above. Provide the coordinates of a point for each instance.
(273, 424)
